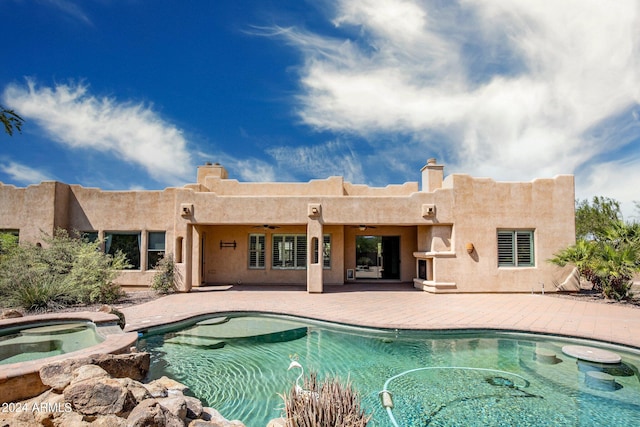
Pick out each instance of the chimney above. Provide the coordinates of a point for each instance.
(211, 170)
(432, 176)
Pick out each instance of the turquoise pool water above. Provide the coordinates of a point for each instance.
(238, 364)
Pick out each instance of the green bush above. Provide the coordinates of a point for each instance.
(65, 270)
(166, 279)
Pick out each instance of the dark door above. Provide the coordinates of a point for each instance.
(391, 257)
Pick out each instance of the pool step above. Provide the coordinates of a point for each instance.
(196, 342)
(248, 328)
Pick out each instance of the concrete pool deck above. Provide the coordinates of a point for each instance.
(403, 307)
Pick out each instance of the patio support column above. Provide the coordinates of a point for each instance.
(314, 249)
(188, 259)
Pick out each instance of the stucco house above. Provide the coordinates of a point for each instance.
(459, 234)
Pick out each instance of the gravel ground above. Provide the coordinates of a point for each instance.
(131, 298)
(586, 294)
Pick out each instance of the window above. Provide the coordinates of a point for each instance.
(256, 251)
(326, 251)
(155, 248)
(126, 242)
(8, 239)
(515, 248)
(89, 236)
(289, 251)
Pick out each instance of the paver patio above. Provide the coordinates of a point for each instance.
(403, 307)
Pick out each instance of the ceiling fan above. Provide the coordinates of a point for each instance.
(363, 227)
(266, 227)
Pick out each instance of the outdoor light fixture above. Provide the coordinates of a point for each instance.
(469, 247)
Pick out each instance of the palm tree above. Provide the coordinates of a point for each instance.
(10, 119)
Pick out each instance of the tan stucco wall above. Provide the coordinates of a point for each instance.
(482, 206)
(434, 225)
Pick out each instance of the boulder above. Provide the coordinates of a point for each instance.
(194, 407)
(175, 403)
(156, 389)
(137, 390)
(129, 365)
(151, 413)
(58, 375)
(212, 418)
(169, 384)
(88, 372)
(100, 396)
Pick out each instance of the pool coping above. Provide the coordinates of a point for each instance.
(21, 380)
(404, 308)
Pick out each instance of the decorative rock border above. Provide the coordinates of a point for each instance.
(106, 391)
(21, 380)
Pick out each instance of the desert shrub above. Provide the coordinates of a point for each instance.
(65, 270)
(329, 403)
(166, 279)
(92, 273)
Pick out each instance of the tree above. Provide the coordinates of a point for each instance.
(11, 120)
(592, 219)
(608, 254)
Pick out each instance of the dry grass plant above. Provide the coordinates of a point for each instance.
(328, 404)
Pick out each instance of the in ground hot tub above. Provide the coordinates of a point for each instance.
(28, 343)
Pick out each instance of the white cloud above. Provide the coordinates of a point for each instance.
(70, 115)
(320, 161)
(23, 174)
(514, 89)
(71, 9)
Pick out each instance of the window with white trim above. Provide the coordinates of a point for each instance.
(289, 251)
(256, 251)
(155, 248)
(515, 248)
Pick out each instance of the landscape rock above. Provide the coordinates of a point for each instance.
(84, 394)
(58, 375)
(214, 419)
(88, 372)
(151, 413)
(169, 384)
(100, 396)
(137, 390)
(156, 389)
(194, 407)
(129, 365)
(277, 422)
(176, 404)
(10, 314)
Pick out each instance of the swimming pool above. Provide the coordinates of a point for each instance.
(238, 364)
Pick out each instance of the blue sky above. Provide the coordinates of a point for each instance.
(132, 94)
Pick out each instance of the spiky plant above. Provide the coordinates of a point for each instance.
(330, 403)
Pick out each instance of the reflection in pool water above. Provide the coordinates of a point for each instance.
(24, 343)
(239, 365)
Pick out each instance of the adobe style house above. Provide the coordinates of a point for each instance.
(459, 234)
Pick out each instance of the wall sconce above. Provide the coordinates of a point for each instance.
(186, 209)
(469, 247)
(314, 210)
